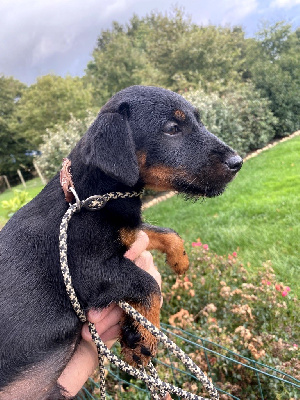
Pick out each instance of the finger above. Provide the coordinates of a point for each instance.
(96, 316)
(111, 334)
(145, 261)
(138, 246)
(103, 320)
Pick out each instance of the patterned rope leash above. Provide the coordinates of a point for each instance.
(158, 388)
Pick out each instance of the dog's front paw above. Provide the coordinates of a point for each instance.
(138, 344)
(178, 261)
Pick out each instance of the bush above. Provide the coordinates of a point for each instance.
(252, 315)
(19, 200)
(59, 142)
(239, 116)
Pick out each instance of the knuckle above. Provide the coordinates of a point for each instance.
(147, 257)
(143, 236)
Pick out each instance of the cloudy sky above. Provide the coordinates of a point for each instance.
(38, 37)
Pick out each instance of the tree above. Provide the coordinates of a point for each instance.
(188, 54)
(164, 50)
(274, 68)
(50, 101)
(120, 60)
(13, 146)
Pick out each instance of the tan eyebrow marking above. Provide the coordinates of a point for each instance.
(180, 115)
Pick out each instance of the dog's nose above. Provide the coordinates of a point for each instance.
(234, 163)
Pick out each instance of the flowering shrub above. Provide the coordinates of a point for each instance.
(220, 301)
(58, 143)
(252, 315)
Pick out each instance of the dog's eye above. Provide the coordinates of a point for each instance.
(171, 128)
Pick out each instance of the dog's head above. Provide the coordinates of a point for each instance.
(154, 136)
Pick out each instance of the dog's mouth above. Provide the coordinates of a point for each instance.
(204, 185)
(208, 182)
(203, 190)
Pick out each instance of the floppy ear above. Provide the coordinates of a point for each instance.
(108, 145)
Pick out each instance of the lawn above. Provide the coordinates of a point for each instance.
(258, 215)
(34, 186)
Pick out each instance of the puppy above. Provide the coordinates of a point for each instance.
(143, 137)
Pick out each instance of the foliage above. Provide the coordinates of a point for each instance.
(251, 315)
(240, 116)
(220, 302)
(273, 62)
(164, 50)
(19, 200)
(48, 102)
(13, 147)
(58, 143)
(169, 50)
(33, 187)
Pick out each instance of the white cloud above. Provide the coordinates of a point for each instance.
(284, 3)
(37, 35)
(223, 12)
(236, 10)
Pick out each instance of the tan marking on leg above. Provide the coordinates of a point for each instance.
(128, 236)
(172, 245)
(147, 341)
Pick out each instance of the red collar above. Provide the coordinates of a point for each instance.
(66, 180)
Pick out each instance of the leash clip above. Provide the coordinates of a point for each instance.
(94, 203)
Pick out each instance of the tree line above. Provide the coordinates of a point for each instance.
(257, 79)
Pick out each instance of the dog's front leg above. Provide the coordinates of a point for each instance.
(119, 279)
(138, 344)
(169, 242)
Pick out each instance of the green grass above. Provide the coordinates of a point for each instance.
(258, 215)
(34, 186)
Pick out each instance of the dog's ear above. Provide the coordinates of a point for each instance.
(109, 145)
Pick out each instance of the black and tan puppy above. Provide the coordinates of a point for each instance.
(143, 137)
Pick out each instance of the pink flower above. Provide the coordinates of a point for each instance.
(284, 293)
(287, 288)
(234, 254)
(295, 345)
(205, 246)
(196, 244)
(186, 279)
(277, 287)
(268, 283)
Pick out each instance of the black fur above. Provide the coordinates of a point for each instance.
(37, 322)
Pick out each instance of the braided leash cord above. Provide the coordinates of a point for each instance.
(154, 383)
